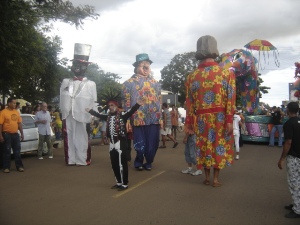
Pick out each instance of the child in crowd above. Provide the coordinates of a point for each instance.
(190, 153)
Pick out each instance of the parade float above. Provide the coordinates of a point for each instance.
(257, 125)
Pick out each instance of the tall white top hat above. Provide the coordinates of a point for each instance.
(82, 52)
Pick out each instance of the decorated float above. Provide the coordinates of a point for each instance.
(245, 66)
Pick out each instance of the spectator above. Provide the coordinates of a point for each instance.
(18, 107)
(291, 153)
(10, 123)
(43, 121)
(58, 124)
(277, 117)
(174, 121)
(167, 126)
(190, 153)
(36, 109)
(237, 124)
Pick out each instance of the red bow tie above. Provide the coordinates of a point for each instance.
(78, 78)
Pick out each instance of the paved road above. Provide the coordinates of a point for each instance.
(254, 191)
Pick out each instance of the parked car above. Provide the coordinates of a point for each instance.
(31, 136)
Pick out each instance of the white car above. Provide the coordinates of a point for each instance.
(31, 136)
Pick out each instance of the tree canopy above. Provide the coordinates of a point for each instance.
(29, 63)
(173, 75)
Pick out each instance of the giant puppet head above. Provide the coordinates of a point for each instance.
(242, 63)
(81, 59)
(142, 65)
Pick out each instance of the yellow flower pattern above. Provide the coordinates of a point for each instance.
(210, 92)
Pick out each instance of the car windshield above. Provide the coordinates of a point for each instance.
(27, 122)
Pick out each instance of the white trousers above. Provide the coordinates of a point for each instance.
(77, 141)
(236, 134)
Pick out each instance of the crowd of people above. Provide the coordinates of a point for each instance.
(137, 117)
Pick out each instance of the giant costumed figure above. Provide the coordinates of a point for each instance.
(146, 120)
(77, 94)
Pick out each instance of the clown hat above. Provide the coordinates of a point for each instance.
(141, 57)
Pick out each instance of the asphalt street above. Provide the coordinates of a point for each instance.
(254, 191)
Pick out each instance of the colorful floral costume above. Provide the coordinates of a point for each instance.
(146, 120)
(211, 97)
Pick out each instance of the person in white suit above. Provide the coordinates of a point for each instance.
(77, 94)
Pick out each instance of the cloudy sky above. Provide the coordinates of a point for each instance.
(164, 28)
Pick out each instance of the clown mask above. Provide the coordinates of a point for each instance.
(143, 68)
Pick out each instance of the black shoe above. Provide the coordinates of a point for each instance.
(292, 214)
(116, 186)
(175, 145)
(123, 187)
(289, 207)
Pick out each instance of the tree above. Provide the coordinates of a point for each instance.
(173, 76)
(104, 81)
(262, 89)
(28, 60)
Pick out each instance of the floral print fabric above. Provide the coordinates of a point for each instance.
(210, 92)
(149, 89)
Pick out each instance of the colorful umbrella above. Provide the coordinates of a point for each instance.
(260, 45)
(263, 46)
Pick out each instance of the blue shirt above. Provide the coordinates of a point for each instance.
(43, 128)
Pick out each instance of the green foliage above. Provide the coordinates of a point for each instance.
(262, 89)
(173, 76)
(105, 82)
(29, 64)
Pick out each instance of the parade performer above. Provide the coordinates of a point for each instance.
(76, 95)
(117, 135)
(145, 121)
(210, 95)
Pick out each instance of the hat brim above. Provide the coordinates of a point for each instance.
(136, 63)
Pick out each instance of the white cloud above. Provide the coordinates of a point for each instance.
(164, 28)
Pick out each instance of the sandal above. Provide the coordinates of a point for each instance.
(206, 182)
(217, 184)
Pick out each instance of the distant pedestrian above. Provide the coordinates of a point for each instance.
(277, 117)
(167, 126)
(174, 121)
(43, 121)
(291, 152)
(10, 123)
(236, 133)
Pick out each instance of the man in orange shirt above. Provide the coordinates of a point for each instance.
(10, 123)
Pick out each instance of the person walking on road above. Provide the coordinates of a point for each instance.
(10, 123)
(210, 95)
(43, 121)
(167, 126)
(291, 153)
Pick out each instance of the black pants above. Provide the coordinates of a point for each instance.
(118, 158)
